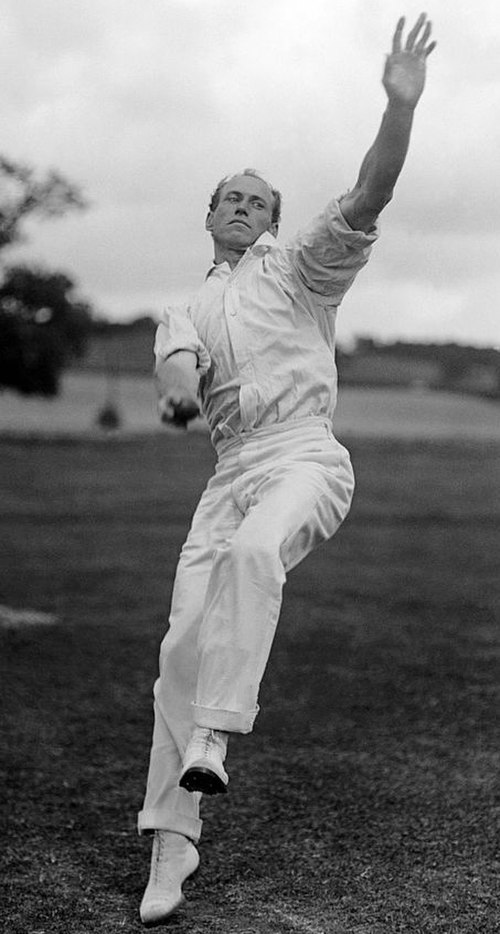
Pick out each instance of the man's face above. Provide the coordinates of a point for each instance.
(243, 213)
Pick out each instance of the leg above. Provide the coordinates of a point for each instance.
(294, 494)
(169, 811)
(166, 805)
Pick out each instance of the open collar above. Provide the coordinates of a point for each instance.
(262, 245)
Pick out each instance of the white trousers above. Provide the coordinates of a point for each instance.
(276, 494)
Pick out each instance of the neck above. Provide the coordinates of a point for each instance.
(228, 254)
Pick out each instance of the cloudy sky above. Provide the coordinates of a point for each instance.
(147, 104)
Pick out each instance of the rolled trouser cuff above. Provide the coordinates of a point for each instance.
(151, 820)
(231, 721)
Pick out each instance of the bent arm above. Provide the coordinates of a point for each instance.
(180, 360)
(177, 382)
(403, 80)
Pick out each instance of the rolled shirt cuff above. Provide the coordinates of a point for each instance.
(174, 334)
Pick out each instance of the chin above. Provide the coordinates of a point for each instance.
(244, 238)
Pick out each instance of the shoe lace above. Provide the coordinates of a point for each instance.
(214, 741)
(159, 844)
(206, 743)
(164, 847)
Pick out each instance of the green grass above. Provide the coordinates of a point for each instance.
(363, 803)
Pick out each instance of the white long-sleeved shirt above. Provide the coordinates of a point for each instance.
(264, 332)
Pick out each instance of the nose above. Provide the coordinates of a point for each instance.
(241, 208)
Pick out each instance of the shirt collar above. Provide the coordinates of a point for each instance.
(262, 245)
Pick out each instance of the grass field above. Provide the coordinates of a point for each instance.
(361, 412)
(364, 801)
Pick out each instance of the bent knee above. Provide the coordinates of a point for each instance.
(261, 552)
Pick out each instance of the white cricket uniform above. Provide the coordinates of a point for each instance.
(264, 334)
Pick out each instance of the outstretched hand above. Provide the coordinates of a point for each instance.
(404, 73)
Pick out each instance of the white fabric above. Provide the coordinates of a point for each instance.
(264, 334)
(275, 495)
(265, 331)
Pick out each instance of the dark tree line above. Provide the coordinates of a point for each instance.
(456, 362)
(455, 356)
(43, 325)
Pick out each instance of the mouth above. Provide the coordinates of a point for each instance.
(237, 221)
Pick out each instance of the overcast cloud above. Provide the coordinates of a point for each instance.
(147, 105)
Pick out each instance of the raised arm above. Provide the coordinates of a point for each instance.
(403, 80)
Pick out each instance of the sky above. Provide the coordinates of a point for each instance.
(147, 105)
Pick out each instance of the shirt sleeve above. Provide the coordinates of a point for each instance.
(177, 332)
(328, 254)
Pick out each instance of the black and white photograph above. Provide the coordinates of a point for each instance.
(249, 466)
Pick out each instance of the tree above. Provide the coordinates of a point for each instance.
(42, 327)
(22, 194)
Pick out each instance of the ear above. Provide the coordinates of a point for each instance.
(209, 221)
(273, 229)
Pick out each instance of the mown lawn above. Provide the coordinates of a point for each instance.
(363, 803)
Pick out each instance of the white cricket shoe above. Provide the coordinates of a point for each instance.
(202, 768)
(173, 859)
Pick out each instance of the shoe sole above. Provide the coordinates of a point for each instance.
(204, 780)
